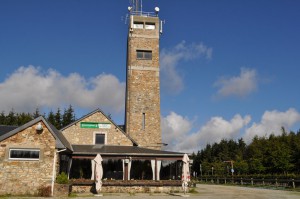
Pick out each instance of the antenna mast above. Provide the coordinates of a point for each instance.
(136, 5)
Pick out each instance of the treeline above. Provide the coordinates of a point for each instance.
(58, 119)
(273, 155)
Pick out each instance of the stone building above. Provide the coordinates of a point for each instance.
(32, 155)
(29, 156)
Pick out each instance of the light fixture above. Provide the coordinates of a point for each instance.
(39, 126)
(156, 10)
(129, 8)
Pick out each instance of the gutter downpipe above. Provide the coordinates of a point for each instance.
(54, 170)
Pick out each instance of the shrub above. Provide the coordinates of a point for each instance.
(62, 178)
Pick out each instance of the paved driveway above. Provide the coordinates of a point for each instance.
(216, 192)
(204, 192)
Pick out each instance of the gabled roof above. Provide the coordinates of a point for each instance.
(61, 141)
(121, 150)
(5, 129)
(99, 110)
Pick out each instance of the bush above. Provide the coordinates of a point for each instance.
(44, 191)
(62, 178)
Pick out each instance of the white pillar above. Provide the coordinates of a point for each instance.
(129, 168)
(153, 169)
(93, 170)
(158, 169)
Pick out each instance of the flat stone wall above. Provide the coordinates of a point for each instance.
(19, 177)
(127, 189)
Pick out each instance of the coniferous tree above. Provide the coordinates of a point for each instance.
(68, 116)
(58, 119)
(23, 118)
(2, 118)
(11, 118)
(51, 118)
(36, 114)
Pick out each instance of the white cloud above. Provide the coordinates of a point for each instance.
(170, 58)
(239, 86)
(176, 129)
(31, 87)
(271, 123)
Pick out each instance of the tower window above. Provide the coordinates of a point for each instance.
(138, 25)
(150, 26)
(144, 54)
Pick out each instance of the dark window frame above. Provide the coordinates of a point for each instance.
(138, 25)
(150, 26)
(102, 137)
(144, 54)
(24, 154)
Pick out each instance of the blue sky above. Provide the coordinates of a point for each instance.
(229, 69)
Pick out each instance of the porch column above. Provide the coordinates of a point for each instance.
(69, 167)
(153, 169)
(126, 169)
(156, 165)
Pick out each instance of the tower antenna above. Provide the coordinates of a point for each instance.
(136, 5)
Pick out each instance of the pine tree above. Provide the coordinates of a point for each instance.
(36, 114)
(11, 118)
(68, 116)
(58, 119)
(51, 118)
(2, 118)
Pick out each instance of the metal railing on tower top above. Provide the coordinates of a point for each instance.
(144, 14)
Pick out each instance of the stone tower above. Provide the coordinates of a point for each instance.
(142, 111)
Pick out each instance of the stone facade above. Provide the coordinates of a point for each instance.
(75, 134)
(19, 177)
(143, 84)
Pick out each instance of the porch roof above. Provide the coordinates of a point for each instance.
(112, 150)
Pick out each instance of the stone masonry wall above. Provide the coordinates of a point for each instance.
(18, 177)
(77, 135)
(128, 189)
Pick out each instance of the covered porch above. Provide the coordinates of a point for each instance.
(125, 166)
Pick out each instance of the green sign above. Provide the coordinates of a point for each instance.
(95, 125)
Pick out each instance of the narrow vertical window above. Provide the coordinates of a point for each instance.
(143, 121)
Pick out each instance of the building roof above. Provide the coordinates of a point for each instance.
(121, 151)
(5, 129)
(61, 141)
(99, 110)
